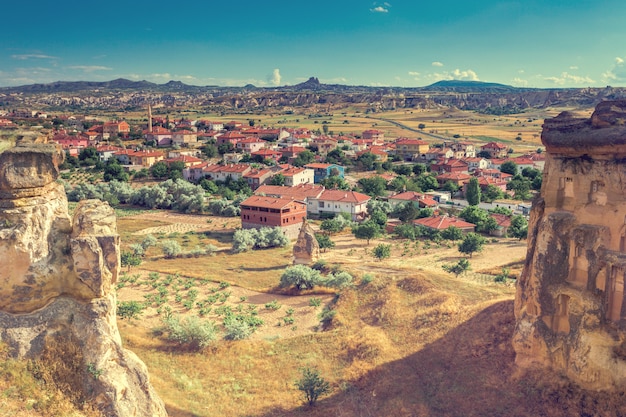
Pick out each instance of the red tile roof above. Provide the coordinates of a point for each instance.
(344, 196)
(268, 202)
(443, 222)
(299, 192)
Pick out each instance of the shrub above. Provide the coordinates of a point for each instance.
(300, 277)
(340, 279)
(312, 385)
(191, 331)
(382, 251)
(129, 309)
(171, 248)
(315, 302)
(367, 278)
(236, 329)
(273, 305)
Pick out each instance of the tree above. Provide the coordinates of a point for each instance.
(405, 169)
(519, 227)
(406, 211)
(421, 126)
(472, 242)
(419, 169)
(521, 186)
(379, 217)
(303, 158)
(130, 259)
(472, 194)
(452, 233)
(209, 150)
(501, 210)
(367, 230)
(335, 183)
(451, 187)
(312, 385)
(171, 248)
(427, 183)
(491, 193)
(458, 268)
(382, 251)
(324, 242)
(374, 186)
(334, 225)
(226, 147)
(301, 277)
(366, 161)
(159, 170)
(509, 167)
(278, 179)
(114, 171)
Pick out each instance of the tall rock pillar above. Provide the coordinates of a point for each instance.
(570, 306)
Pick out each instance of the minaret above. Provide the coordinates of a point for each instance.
(149, 118)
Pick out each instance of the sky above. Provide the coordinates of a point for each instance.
(405, 43)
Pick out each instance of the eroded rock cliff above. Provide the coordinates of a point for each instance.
(570, 308)
(56, 280)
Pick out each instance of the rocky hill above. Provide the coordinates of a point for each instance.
(125, 94)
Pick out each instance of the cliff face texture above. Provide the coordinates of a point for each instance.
(570, 306)
(56, 279)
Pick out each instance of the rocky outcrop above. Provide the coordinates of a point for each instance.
(570, 306)
(306, 249)
(56, 297)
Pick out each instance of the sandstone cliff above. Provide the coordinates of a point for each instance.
(306, 249)
(570, 309)
(56, 280)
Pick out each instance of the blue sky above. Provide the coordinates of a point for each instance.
(550, 43)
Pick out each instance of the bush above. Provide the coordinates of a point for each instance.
(300, 277)
(367, 278)
(312, 385)
(129, 309)
(315, 302)
(382, 251)
(263, 238)
(340, 279)
(191, 331)
(171, 248)
(236, 329)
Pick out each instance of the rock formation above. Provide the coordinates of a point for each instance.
(306, 249)
(570, 307)
(56, 296)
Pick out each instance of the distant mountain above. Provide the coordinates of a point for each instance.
(468, 86)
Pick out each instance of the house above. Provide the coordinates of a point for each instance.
(262, 211)
(233, 125)
(187, 160)
(449, 165)
(374, 135)
(458, 178)
(462, 149)
(476, 163)
(160, 136)
(250, 145)
(296, 176)
(72, 144)
(321, 171)
(332, 202)
(303, 192)
(420, 200)
(92, 137)
(409, 149)
(443, 222)
(503, 221)
(266, 153)
(105, 151)
(145, 159)
(230, 137)
(184, 138)
(325, 144)
(115, 128)
(377, 151)
(258, 177)
(495, 150)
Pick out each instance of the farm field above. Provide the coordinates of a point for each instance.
(408, 313)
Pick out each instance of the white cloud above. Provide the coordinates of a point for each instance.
(619, 60)
(276, 77)
(89, 68)
(518, 82)
(566, 78)
(457, 74)
(573, 67)
(414, 73)
(437, 64)
(617, 73)
(379, 9)
(24, 57)
(521, 71)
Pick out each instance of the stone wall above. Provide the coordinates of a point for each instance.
(570, 306)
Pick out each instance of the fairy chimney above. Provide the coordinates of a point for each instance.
(570, 306)
(306, 249)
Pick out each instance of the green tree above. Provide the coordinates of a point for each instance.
(472, 242)
(300, 277)
(501, 210)
(114, 171)
(406, 211)
(404, 169)
(427, 182)
(519, 227)
(277, 179)
(458, 268)
(451, 187)
(419, 169)
(209, 150)
(521, 186)
(374, 186)
(335, 183)
(324, 242)
(421, 126)
(312, 385)
(382, 251)
(303, 158)
(379, 217)
(509, 167)
(491, 193)
(159, 170)
(366, 161)
(130, 259)
(171, 248)
(367, 230)
(472, 194)
(334, 225)
(452, 233)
